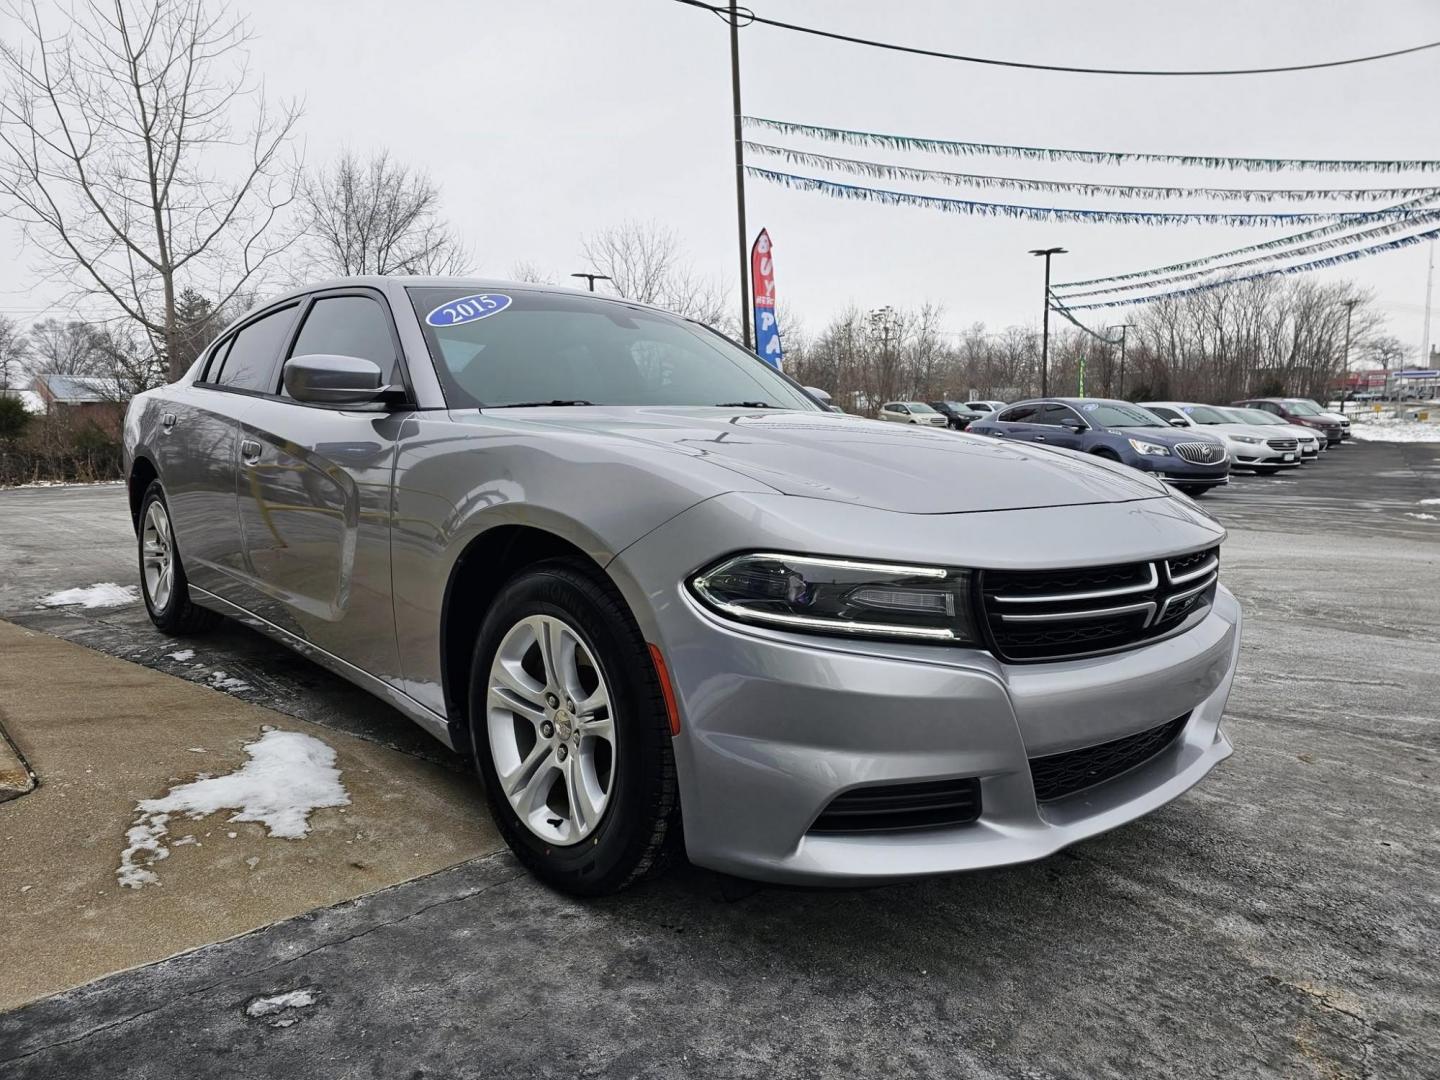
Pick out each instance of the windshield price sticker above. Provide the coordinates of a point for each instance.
(468, 309)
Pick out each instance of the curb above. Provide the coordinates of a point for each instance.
(16, 776)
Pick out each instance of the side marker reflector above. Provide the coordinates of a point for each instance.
(667, 691)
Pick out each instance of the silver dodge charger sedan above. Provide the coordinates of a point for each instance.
(646, 581)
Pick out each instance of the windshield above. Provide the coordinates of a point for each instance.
(1303, 408)
(919, 407)
(1204, 414)
(1256, 416)
(1098, 412)
(522, 346)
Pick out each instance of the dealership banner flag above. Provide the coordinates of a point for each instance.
(762, 278)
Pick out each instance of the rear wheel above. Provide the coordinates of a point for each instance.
(162, 574)
(571, 734)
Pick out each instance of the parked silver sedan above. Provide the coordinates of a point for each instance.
(643, 578)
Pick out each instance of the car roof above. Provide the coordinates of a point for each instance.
(423, 281)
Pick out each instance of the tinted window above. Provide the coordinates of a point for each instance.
(1021, 414)
(1303, 408)
(1204, 414)
(1164, 413)
(251, 359)
(1053, 415)
(535, 346)
(978, 406)
(349, 326)
(919, 407)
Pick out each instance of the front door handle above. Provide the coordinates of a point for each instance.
(249, 451)
(1039, 438)
(167, 421)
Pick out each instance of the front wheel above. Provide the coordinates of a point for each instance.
(571, 734)
(1195, 491)
(162, 575)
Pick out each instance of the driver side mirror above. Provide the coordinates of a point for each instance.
(1177, 422)
(327, 379)
(1073, 424)
(819, 395)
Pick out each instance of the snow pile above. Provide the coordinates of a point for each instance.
(223, 680)
(181, 656)
(289, 774)
(1391, 429)
(268, 1008)
(1422, 517)
(106, 594)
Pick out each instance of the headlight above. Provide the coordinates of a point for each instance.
(1155, 449)
(1251, 439)
(841, 596)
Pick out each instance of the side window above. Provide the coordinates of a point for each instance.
(217, 361)
(251, 359)
(1270, 407)
(1163, 413)
(349, 326)
(1052, 415)
(1021, 414)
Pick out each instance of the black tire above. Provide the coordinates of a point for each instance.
(180, 616)
(639, 829)
(1108, 455)
(1195, 491)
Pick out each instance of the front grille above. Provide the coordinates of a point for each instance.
(1201, 453)
(930, 804)
(1058, 775)
(1282, 444)
(1036, 615)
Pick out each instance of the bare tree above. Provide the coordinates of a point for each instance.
(110, 132)
(525, 270)
(69, 347)
(1386, 351)
(646, 262)
(14, 351)
(378, 217)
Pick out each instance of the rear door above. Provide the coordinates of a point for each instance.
(198, 449)
(314, 493)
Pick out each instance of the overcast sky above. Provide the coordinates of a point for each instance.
(545, 119)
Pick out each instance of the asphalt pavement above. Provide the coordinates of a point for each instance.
(1279, 920)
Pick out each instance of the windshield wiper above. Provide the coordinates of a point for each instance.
(745, 405)
(538, 404)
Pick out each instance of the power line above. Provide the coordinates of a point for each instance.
(965, 148)
(749, 17)
(888, 171)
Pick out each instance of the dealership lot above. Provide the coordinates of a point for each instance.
(1278, 920)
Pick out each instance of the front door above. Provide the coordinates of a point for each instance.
(314, 495)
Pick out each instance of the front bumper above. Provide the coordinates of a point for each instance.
(1248, 455)
(774, 726)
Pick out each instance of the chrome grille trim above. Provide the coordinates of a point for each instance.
(1283, 444)
(1147, 606)
(1200, 453)
(1174, 598)
(1190, 575)
(1097, 594)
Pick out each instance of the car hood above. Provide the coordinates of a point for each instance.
(905, 468)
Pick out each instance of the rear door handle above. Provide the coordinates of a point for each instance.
(249, 451)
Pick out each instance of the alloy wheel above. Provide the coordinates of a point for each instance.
(551, 731)
(159, 555)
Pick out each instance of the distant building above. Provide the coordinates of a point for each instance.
(86, 398)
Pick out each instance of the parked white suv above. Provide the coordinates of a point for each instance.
(1249, 447)
(912, 412)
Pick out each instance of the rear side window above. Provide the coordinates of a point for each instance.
(251, 359)
(349, 326)
(1019, 415)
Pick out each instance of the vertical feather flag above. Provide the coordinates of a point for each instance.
(762, 277)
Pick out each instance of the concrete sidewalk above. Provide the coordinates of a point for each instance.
(103, 734)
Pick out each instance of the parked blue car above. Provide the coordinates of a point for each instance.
(1193, 462)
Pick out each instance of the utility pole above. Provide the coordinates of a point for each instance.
(1345, 362)
(1429, 288)
(1122, 328)
(740, 177)
(1045, 323)
(592, 278)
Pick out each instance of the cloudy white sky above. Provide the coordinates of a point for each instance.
(546, 119)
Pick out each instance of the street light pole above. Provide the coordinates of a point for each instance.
(1045, 324)
(740, 175)
(1429, 292)
(1122, 328)
(1345, 362)
(592, 278)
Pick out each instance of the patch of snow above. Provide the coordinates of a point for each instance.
(223, 680)
(182, 655)
(1428, 502)
(1390, 429)
(1423, 517)
(253, 861)
(105, 594)
(288, 775)
(269, 1009)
